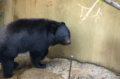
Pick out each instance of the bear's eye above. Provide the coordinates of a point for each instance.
(63, 37)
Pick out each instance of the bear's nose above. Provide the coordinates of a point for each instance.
(68, 42)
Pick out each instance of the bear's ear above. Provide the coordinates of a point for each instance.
(63, 23)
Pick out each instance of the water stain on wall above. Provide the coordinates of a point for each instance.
(15, 1)
(35, 3)
(15, 17)
(49, 4)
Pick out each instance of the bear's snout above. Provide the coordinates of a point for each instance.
(67, 41)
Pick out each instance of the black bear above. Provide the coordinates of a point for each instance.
(30, 34)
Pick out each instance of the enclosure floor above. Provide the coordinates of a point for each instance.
(58, 68)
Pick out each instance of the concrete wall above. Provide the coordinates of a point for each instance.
(95, 42)
(2, 3)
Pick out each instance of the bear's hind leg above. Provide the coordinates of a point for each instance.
(36, 60)
(7, 66)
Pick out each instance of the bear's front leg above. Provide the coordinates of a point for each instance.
(44, 54)
(15, 65)
(35, 57)
(7, 65)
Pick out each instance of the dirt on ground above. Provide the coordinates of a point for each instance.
(58, 68)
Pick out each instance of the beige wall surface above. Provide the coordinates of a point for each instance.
(95, 41)
(2, 3)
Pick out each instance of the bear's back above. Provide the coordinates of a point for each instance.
(25, 24)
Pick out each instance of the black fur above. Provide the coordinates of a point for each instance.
(34, 35)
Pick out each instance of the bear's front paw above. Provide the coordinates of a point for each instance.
(8, 75)
(41, 66)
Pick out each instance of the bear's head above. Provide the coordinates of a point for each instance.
(60, 33)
